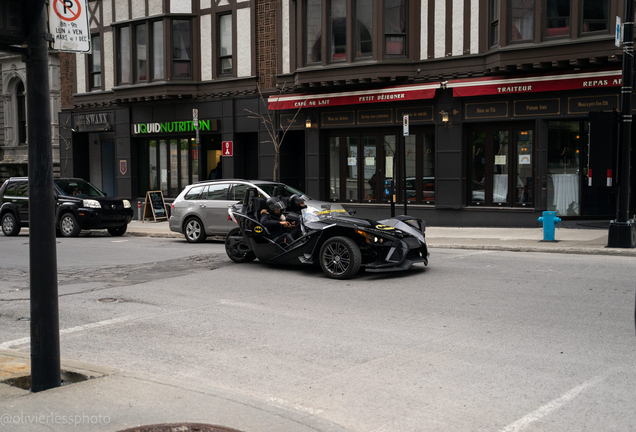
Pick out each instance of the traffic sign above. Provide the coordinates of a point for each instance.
(618, 36)
(227, 148)
(195, 117)
(68, 23)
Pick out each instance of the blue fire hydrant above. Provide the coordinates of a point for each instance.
(549, 219)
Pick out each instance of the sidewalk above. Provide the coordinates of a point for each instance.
(568, 240)
(114, 400)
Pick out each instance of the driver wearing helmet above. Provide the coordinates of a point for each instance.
(295, 207)
(275, 222)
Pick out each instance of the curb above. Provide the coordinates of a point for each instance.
(561, 250)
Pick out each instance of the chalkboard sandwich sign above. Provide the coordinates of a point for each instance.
(155, 207)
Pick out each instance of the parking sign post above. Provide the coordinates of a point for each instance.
(405, 130)
(45, 323)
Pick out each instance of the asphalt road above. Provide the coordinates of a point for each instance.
(478, 341)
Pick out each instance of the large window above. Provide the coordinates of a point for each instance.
(172, 165)
(395, 18)
(225, 45)
(95, 63)
(123, 55)
(365, 160)
(181, 49)
(494, 22)
(140, 52)
(353, 30)
(501, 166)
(595, 16)
(521, 20)
(557, 18)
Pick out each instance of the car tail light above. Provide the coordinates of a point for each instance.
(172, 206)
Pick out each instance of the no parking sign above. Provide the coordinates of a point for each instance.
(68, 23)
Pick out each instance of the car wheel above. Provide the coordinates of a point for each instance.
(340, 258)
(194, 232)
(10, 225)
(237, 249)
(119, 231)
(69, 226)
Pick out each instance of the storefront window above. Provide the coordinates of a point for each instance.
(428, 169)
(389, 161)
(351, 190)
(334, 168)
(478, 180)
(174, 168)
(163, 163)
(411, 163)
(370, 165)
(564, 146)
(152, 162)
(500, 171)
(183, 150)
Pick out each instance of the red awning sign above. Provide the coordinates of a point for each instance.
(386, 94)
(534, 84)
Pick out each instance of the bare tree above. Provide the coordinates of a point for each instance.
(269, 121)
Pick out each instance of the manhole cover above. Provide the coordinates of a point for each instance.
(183, 427)
(108, 300)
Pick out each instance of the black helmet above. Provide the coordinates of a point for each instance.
(274, 204)
(296, 202)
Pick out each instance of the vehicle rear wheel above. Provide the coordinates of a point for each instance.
(236, 248)
(119, 231)
(10, 225)
(340, 258)
(69, 226)
(193, 231)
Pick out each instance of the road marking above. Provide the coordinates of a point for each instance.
(26, 340)
(552, 405)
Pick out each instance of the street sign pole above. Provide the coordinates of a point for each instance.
(195, 122)
(45, 326)
(622, 231)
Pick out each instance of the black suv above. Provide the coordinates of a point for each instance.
(78, 205)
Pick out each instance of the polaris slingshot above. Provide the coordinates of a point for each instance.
(341, 243)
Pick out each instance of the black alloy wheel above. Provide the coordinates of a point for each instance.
(118, 231)
(69, 226)
(10, 225)
(340, 258)
(236, 248)
(194, 231)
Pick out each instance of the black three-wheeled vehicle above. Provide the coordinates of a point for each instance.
(341, 243)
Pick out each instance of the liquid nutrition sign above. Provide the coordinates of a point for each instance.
(68, 23)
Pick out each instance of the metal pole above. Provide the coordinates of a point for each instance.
(45, 330)
(626, 113)
(404, 171)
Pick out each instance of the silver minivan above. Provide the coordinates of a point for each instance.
(200, 210)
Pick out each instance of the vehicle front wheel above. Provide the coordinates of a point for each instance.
(236, 248)
(69, 226)
(340, 258)
(194, 232)
(119, 231)
(10, 225)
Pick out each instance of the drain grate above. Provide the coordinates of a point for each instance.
(180, 427)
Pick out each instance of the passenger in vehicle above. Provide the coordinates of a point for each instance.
(275, 221)
(294, 214)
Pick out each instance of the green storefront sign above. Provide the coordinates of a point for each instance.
(172, 127)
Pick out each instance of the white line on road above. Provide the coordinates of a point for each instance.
(16, 342)
(551, 406)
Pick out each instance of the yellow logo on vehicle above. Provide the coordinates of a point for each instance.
(384, 227)
(258, 229)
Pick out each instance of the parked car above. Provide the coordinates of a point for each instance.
(201, 209)
(78, 205)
